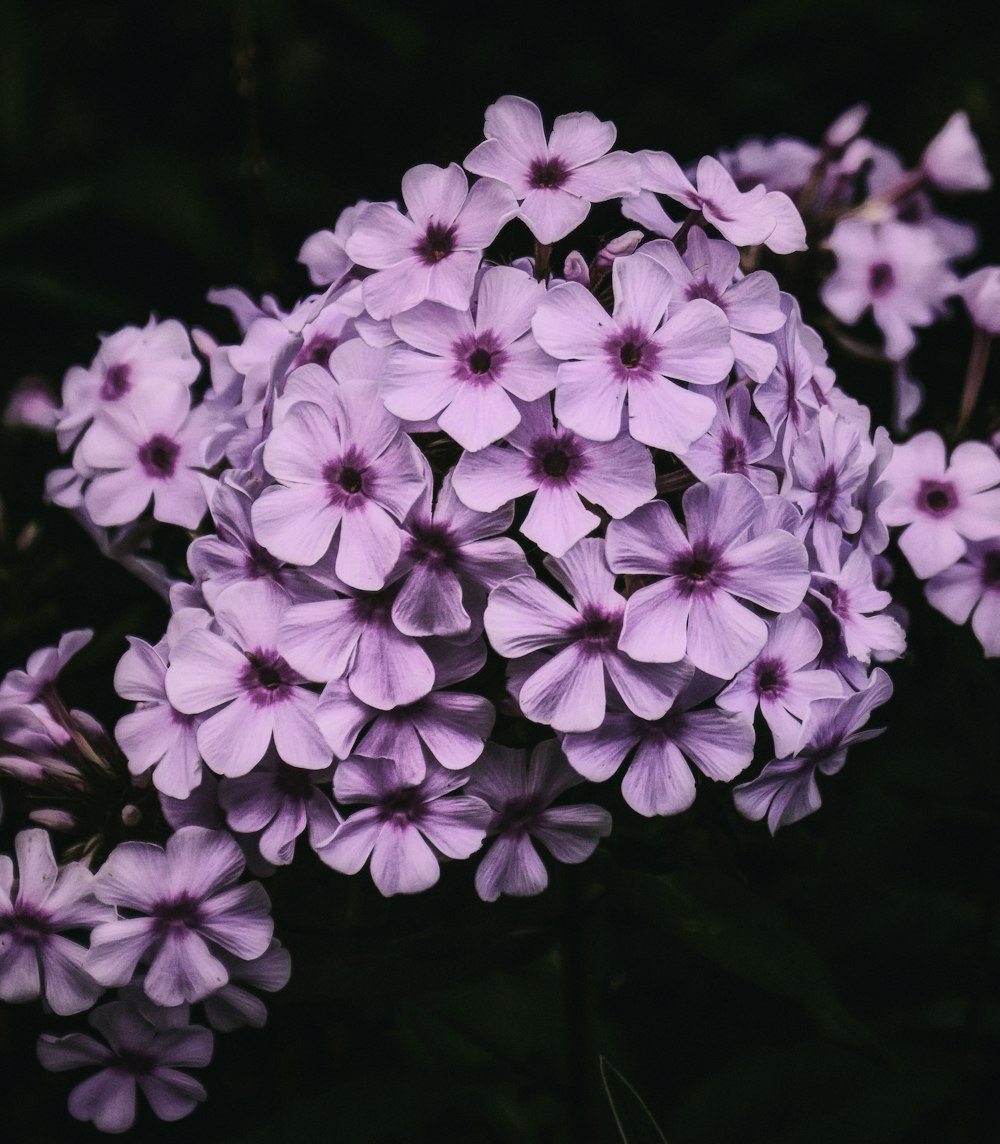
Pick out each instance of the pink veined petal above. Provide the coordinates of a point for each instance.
(490, 158)
(452, 280)
(489, 206)
(523, 616)
(621, 477)
(233, 740)
(118, 497)
(205, 671)
(390, 670)
(723, 636)
(516, 123)
(369, 546)
(654, 629)
(571, 833)
(694, 344)
(506, 303)
(589, 399)
(349, 848)
(381, 237)
(295, 524)
(430, 603)
(296, 737)
(511, 866)
(183, 969)
(666, 415)
(771, 570)
(171, 1094)
(133, 875)
(567, 692)
(720, 743)
(647, 689)
(456, 825)
(402, 862)
(647, 541)
(610, 177)
(107, 1099)
(238, 920)
(115, 949)
(642, 292)
(202, 861)
(434, 194)
(570, 323)
(69, 988)
(397, 288)
(455, 727)
(492, 477)
(557, 518)
(433, 329)
(551, 213)
(659, 780)
(478, 415)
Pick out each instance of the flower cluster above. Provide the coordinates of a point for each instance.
(467, 530)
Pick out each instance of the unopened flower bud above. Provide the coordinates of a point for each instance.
(53, 819)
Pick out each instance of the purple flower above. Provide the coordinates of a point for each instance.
(785, 790)
(182, 907)
(35, 959)
(559, 468)
(558, 178)
(279, 802)
(941, 504)
(897, 269)
(151, 447)
(694, 608)
(952, 161)
(246, 685)
(569, 692)
(782, 682)
(432, 252)
(232, 1006)
(972, 587)
(634, 353)
(980, 292)
(520, 795)
(736, 442)
(468, 365)
(42, 669)
(324, 254)
(350, 472)
(405, 822)
(745, 218)
(137, 1054)
(451, 559)
(658, 779)
(828, 464)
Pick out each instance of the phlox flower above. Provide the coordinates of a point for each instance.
(233, 1006)
(555, 179)
(634, 352)
(406, 828)
(42, 669)
(520, 792)
(736, 442)
(569, 691)
(433, 251)
(558, 467)
(786, 791)
(137, 1054)
(694, 606)
(468, 365)
(37, 903)
(827, 466)
(941, 503)
(181, 905)
(350, 473)
(659, 779)
(745, 218)
(972, 587)
(249, 693)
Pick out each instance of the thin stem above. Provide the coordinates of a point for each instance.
(680, 239)
(979, 355)
(543, 256)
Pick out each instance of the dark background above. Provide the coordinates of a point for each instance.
(836, 983)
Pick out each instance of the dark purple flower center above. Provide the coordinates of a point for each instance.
(158, 456)
(260, 564)
(345, 477)
(937, 497)
(827, 491)
(438, 242)
(597, 628)
(132, 1062)
(881, 279)
(116, 383)
(734, 454)
(702, 289)
(403, 805)
(433, 544)
(770, 677)
(518, 815)
(630, 354)
(630, 350)
(698, 569)
(28, 925)
(177, 913)
(839, 599)
(556, 458)
(480, 360)
(547, 174)
(294, 782)
(266, 676)
(317, 351)
(991, 569)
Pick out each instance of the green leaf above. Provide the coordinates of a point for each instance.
(634, 1120)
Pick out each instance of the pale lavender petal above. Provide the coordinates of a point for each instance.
(511, 866)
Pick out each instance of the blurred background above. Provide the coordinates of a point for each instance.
(836, 983)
